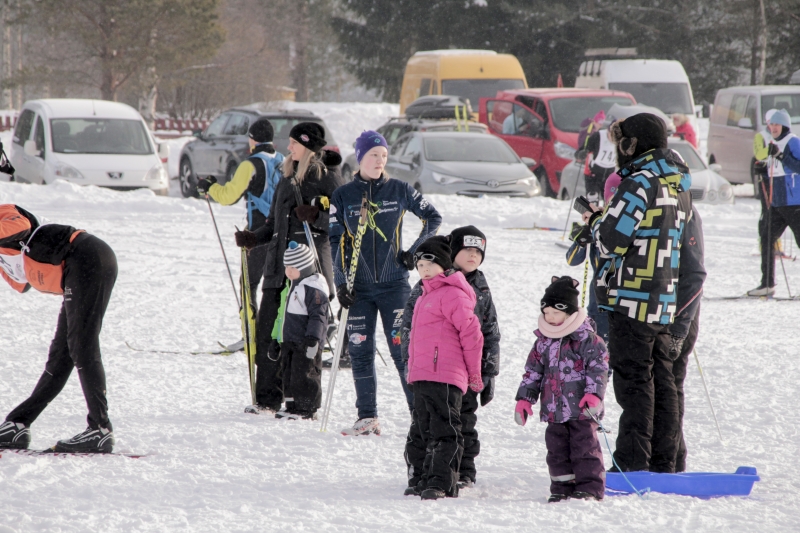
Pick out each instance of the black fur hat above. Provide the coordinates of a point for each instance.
(562, 294)
(309, 134)
(636, 135)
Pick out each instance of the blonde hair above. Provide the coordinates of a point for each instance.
(309, 161)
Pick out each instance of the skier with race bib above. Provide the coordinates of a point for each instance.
(381, 280)
(61, 260)
(600, 164)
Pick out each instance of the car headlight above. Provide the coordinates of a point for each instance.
(527, 182)
(444, 179)
(564, 150)
(725, 192)
(712, 195)
(62, 170)
(156, 173)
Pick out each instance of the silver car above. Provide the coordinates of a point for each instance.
(470, 164)
(707, 185)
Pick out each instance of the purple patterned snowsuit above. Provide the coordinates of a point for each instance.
(562, 371)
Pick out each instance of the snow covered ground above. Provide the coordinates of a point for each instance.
(212, 468)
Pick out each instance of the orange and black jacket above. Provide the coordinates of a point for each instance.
(32, 254)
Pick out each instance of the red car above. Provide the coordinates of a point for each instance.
(543, 124)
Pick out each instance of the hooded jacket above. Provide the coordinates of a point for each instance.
(445, 343)
(639, 237)
(303, 311)
(691, 277)
(484, 310)
(562, 370)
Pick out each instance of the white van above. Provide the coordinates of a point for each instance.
(655, 82)
(90, 142)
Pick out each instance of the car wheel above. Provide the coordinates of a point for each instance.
(565, 194)
(547, 190)
(755, 180)
(187, 179)
(229, 172)
(347, 173)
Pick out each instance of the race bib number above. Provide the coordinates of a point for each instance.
(13, 265)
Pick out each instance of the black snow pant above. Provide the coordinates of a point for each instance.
(595, 183)
(437, 408)
(269, 363)
(256, 257)
(302, 378)
(644, 386)
(774, 222)
(574, 458)
(415, 442)
(679, 369)
(90, 271)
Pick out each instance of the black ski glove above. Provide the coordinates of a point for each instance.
(307, 213)
(675, 346)
(487, 394)
(245, 239)
(406, 259)
(205, 184)
(346, 298)
(773, 149)
(310, 341)
(584, 236)
(312, 347)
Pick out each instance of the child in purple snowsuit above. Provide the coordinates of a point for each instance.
(568, 366)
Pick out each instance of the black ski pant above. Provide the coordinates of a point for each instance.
(644, 386)
(302, 378)
(415, 442)
(595, 183)
(771, 225)
(269, 363)
(90, 271)
(574, 458)
(679, 369)
(437, 408)
(256, 257)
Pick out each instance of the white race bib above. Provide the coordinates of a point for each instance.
(13, 265)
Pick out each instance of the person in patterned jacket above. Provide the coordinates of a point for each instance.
(568, 367)
(639, 237)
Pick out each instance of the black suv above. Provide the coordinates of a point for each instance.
(219, 149)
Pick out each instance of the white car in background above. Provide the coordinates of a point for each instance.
(89, 142)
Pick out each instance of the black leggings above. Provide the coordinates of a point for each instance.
(90, 270)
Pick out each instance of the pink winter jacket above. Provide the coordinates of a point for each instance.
(446, 342)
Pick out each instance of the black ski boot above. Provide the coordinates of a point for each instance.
(432, 493)
(555, 498)
(465, 483)
(15, 435)
(100, 440)
(580, 495)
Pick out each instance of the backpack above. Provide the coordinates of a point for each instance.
(272, 167)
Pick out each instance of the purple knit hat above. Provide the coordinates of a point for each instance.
(367, 141)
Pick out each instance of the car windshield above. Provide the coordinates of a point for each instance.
(99, 136)
(789, 102)
(689, 155)
(668, 97)
(475, 89)
(568, 113)
(470, 149)
(283, 125)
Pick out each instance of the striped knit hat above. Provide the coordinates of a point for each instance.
(300, 257)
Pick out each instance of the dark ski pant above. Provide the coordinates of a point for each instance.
(644, 386)
(388, 299)
(90, 271)
(680, 368)
(774, 222)
(256, 257)
(415, 443)
(595, 183)
(269, 367)
(437, 408)
(574, 458)
(302, 378)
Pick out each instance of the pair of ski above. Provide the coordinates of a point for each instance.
(51, 452)
(756, 298)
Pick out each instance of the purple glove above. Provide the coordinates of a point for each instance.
(592, 403)
(523, 410)
(475, 383)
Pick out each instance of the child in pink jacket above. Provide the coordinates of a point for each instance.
(445, 348)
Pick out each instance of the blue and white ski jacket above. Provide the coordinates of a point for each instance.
(389, 199)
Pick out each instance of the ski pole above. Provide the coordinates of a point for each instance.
(381, 356)
(585, 276)
(785, 277)
(221, 247)
(708, 395)
(572, 199)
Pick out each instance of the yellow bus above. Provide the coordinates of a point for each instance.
(472, 74)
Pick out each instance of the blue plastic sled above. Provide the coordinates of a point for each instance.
(699, 484)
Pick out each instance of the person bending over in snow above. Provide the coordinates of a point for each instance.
(445, 346)
(568, 367)
(300, 328)
(61, 260)
(468, 246)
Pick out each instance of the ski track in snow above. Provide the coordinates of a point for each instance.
(213, 468)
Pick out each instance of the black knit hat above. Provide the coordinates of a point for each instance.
(436, 249)
(467, 237)
(562, 294)
(261, 131)
(309, 134)
(636, 135)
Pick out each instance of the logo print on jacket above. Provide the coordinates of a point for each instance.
(357, 338)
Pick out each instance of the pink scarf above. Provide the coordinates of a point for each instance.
(570, 325)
